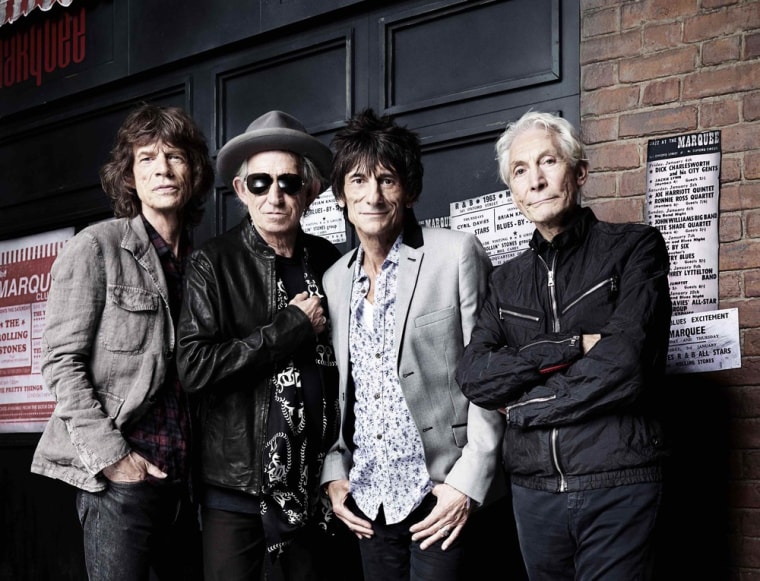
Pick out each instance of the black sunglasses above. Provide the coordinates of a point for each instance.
(258, 183)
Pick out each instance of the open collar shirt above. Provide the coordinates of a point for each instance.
(162, 435)
(389, 464)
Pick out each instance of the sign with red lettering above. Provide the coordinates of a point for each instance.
(46, 56)
(25, 404)
(41, 49)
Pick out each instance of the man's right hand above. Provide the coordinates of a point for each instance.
(132, 468)
(312, 306)
(337, 491)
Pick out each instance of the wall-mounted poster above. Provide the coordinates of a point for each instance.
(496, 221)
(325, 218)
(704, 341)
(683, 187)
(683, 195)
(25, 404)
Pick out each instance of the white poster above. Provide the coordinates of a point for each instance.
(704, 341)
(683, 186)
(325, 218)
(496, 221)
(25, 404)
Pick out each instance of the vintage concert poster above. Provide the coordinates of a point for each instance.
(25, 403)
(496, 221)
(683, 187)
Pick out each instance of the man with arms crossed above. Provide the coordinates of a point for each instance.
(571, 344)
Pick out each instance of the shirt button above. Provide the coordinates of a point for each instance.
(379, 436)
(377, 396)
(377, 355)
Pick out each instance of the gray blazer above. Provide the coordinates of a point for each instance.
(107, 339)
(441, 284)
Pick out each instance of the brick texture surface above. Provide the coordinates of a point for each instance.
(666, 67)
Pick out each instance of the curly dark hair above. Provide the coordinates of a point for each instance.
(147, 124)
(369, 141)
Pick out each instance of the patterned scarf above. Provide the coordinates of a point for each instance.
(292, 462)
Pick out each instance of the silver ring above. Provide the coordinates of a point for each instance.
(323, 320)
(444, 531)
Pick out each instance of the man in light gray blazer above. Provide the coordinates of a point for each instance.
(413, 457)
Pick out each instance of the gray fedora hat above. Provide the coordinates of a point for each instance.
(272, 131)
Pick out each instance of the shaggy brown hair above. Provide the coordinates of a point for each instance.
(147, 124)
(369, 141)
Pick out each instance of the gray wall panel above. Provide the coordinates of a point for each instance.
(463, 51)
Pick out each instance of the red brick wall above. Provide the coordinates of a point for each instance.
(665, 67)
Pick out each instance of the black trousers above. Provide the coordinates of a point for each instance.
(234, 549)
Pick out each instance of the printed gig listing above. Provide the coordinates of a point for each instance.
(496, 221)
(25, 404)
(683, 186)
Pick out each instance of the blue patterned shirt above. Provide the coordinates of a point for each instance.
(389, 463)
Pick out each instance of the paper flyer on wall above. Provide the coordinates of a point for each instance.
(325, 218)
(496, 221)
(683, 197)
(25, 404)
(683, 187)
(704, 341)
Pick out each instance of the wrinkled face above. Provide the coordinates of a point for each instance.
(544, 186)
(161, 176)
(376, 202)
(275, 213)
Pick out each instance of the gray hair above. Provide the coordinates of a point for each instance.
(570, 146)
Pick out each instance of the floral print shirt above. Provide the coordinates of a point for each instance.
(389, 463)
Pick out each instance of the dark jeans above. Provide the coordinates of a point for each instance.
(132, 528)
(234, 549)
(391, 555)
(589, 535)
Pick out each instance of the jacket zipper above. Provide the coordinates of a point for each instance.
(555, 459)
(554, 437)
(522, 403)
(570, 340)
(612, 282)
(503, 312)
(552, 290)
(556, 327)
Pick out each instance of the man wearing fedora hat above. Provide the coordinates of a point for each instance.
(253, 349)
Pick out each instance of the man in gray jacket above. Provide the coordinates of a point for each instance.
(120, 431)
(413, 457)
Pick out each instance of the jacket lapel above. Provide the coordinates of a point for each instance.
(410, 262)
(137, 243)
(343, 315)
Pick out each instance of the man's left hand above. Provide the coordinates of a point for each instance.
(445, 521)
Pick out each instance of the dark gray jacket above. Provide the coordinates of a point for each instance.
(108, 340)
(576, 422)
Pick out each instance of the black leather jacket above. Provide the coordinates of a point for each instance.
(230, 339)
(576, 422)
